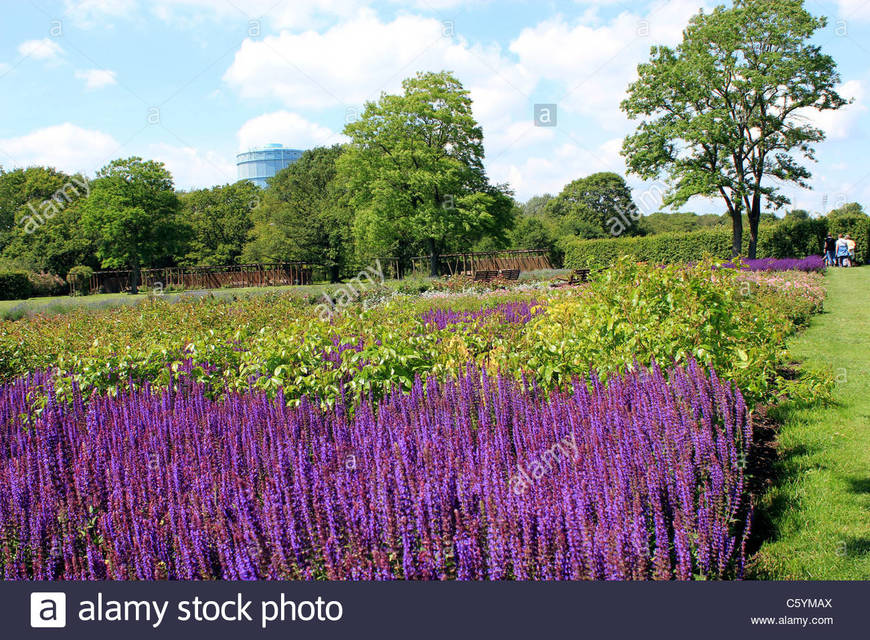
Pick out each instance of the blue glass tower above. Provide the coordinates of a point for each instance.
(264, 162)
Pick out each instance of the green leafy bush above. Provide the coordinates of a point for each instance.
(46, 284)
(15, 285)
(857, 226)
(79, 279)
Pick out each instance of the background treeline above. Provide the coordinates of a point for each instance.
(788, 238)
(410, 182)
(305, 214)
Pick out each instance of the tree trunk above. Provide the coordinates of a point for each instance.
(433, 259)
(134, 279)
(737, 233)
(754, 219)
(334, 273)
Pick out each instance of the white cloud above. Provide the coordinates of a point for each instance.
(192, 168)
(89, 14)
(97, 78)
(45, 49)
(299, 14)
(853, 9)
(4, 68)
(66, 147)
(593, 63)
(355, 60)
(840, 124)
(550, 173)
(289, 129)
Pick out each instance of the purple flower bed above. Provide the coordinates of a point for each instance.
(506, 313)
(810, 263)
(477, 479)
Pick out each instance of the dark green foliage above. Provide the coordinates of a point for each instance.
(14, 285)
(854, 223)
(219, 220)
(304, 216)
(722, 114)
(415, 177)
(594, 207)
(46, 284)
(132, 212)
(784, 240)
(79, 279)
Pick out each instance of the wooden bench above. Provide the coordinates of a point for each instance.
(578, 276)
(485, 275)
(510, 274)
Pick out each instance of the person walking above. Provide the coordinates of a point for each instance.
(830, 251)
(850, 245)
(842, 252)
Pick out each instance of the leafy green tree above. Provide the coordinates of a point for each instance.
(39, 219)
(219, 220)
(537, 232)
(797, 214)
(595, 206)
(304, 215)
(848, 209)
(133, 213)
(724, 111)
(414, 172)
(536, 205)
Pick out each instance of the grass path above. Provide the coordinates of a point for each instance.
(820, 508)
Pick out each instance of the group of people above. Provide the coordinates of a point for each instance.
(839, 252)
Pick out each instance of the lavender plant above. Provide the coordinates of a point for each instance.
(154, 484)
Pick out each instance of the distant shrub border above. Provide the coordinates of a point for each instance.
(788, 239)
(15, 285)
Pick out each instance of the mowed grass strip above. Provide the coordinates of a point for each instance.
(819, 508)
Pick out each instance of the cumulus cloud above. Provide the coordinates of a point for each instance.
(97, 78)
(45, 49)
(65, 146)
(842, 123)
(289, 129)
(192, 168)
(356, 60)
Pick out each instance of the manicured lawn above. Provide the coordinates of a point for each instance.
(820, 507)
(12, 309)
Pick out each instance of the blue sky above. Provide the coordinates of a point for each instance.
(192, 82)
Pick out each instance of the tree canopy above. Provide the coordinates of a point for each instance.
(219, 220)
(132, 212)
(304, 215)
(724, 112)
(414, 172)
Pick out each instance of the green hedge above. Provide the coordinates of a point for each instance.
(786, 239)
(15, 285)
(856, 226)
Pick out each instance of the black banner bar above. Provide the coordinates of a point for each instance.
(737, 610)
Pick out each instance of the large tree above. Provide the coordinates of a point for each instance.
(414, 172)
(219, 220)
(304, 215)
(595, 206)
(132, 211)
(725, 112)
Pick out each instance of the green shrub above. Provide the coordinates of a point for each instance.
(46, 284)
(14, 285)
(79, 279)
(857, 226)
(791, 239)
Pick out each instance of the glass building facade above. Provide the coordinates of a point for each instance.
(264, 162)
